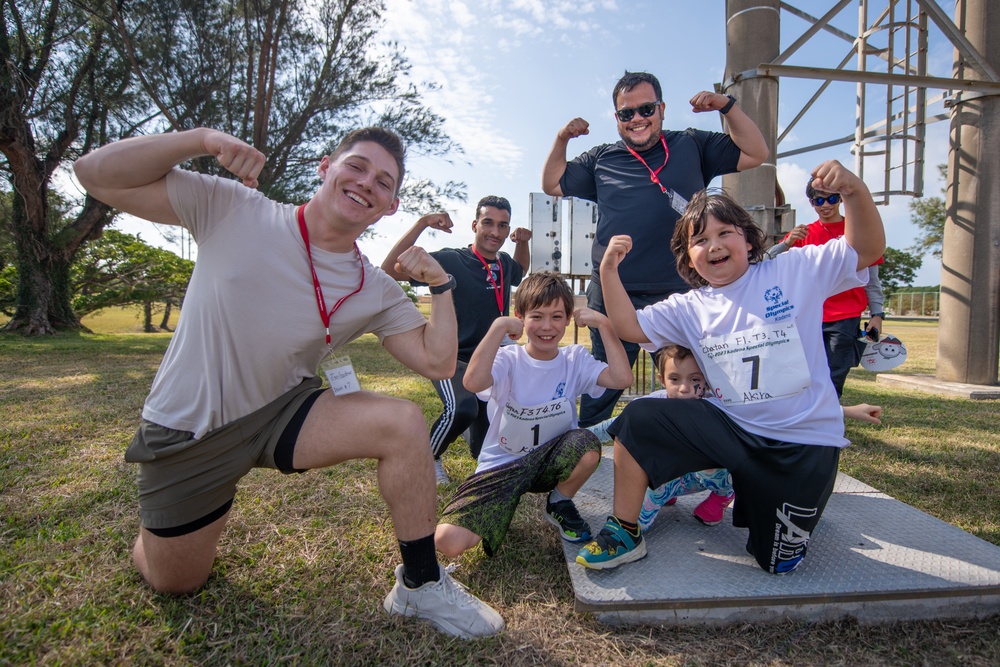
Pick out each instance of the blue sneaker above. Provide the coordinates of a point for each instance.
(612, 547)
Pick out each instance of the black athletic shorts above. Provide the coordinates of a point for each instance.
(781, 487)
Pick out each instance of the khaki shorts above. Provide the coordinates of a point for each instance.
(182, 479)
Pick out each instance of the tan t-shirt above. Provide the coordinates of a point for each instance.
(250, 328)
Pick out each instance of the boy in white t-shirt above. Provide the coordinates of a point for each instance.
(773, 419)
(533, 443)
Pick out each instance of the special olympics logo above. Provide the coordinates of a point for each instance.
(773, 295)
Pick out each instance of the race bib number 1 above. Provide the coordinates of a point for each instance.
(523, 428)
(755, 365)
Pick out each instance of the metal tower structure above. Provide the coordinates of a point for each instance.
(892, 111)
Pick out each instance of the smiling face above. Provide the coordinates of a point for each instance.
(719, 253)
(359, 185)
(640, 133)
(828, 212)
(491, 227)
(544, 326)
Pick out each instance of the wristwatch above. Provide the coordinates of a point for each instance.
(729, 105)
(441, 289)
(882, 315)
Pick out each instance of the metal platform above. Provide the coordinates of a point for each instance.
(871, 557)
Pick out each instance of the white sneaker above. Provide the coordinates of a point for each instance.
(442, 475)
(447, 604)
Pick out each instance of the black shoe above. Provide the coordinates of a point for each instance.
(564, 515)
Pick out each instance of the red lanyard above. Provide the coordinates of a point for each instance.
(497, 289)
(320, 301)
(654, 175)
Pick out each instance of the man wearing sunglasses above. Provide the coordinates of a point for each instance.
(641, 185)
(841, 312)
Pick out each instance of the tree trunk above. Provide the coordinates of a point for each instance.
(43, 291)
(165, 322)
(147, 317)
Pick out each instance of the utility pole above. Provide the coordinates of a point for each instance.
(752, 38)
(969, 330)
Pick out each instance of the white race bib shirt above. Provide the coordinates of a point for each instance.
(760, 341)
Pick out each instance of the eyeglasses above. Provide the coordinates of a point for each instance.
(819, 201)
(645, 110)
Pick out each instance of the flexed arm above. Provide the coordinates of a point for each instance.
(616, 302)
(440, 221)
(522, 250)
(479, 373)
(618, 374)
(432, 349)
(555, 164)
(130, 175)
(862, 223)
(742, 130)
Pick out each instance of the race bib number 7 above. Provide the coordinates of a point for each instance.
(755, 365)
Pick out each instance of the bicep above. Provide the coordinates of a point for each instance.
(408, 349)
(149, 202)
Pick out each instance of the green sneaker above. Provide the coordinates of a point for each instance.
(612, 547)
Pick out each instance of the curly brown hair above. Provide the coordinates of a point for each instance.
(723, 208)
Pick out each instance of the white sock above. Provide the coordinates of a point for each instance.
(555, 496)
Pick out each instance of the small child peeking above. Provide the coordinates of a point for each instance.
(533, 443)
(678, 371)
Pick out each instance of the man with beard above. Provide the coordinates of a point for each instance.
(641, 186)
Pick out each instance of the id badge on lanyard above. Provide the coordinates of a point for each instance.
(338, 369)
(677, 202)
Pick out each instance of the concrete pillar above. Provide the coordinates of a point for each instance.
(752, 38)
(969, 332)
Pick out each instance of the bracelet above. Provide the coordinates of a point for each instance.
(882, 315)
(729, 105)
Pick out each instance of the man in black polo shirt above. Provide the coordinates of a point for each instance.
(484, 276)
(641, 186)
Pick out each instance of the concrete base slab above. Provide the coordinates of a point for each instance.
(931, 385)
(871, 557)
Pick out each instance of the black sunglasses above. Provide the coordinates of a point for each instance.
(645, 110)
(819, 201)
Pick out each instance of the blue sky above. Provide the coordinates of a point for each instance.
(511, 73)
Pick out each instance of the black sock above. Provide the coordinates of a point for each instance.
(632, 528)
(420, 563)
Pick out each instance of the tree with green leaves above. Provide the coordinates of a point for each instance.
(928, 214)
(64, 89)
(120, 269)
(900, 269)
(288, 76)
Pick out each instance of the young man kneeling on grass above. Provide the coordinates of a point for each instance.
(533, 444)
(238, 387)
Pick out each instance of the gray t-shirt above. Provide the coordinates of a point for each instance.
(250, 328)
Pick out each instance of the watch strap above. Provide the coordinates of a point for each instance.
(441, 289)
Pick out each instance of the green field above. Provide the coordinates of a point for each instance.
(306, 559)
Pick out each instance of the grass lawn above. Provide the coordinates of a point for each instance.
(306, 559)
